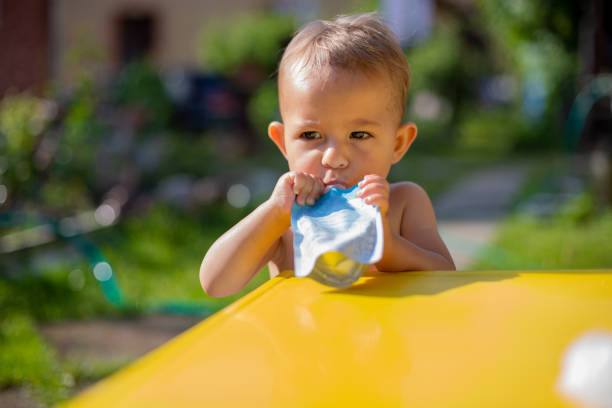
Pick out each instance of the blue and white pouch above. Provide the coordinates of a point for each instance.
(337, 238)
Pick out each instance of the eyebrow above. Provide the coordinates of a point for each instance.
(354, 122)
(364, 122)
(308, 122)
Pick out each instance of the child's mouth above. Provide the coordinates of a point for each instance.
(335, 184)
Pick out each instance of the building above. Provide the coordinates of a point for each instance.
(25, 54)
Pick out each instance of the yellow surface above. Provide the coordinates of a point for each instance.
(418, 339)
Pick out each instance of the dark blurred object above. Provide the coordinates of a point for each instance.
(24, 46)
(595, 85)
(595, 38)
(595, 54)
(136, 37)
(203, 101)
(600, 163)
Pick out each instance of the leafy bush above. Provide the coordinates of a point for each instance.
(22, 120)
(255, 38)
(140, 88)
(44, 166)
(434, 65)
(263, 106)
(486, 131)
(531, 44)
(73, 168)
(62, 158)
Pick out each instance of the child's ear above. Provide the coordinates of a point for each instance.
(276, 132)
(403, 139)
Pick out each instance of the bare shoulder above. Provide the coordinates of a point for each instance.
(412, 206)
(407, 193)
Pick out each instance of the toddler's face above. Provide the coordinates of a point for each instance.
(341, 127)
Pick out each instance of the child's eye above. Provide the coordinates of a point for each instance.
(311, 135)
(360, 135)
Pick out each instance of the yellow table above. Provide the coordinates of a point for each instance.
(417, 339)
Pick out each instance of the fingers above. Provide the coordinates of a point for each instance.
(316, 192)
(282, 196)
(373, 184)
(375, 190)
(307, 188)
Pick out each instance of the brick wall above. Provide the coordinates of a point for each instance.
(24, 45)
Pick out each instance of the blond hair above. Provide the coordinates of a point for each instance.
(361, 43)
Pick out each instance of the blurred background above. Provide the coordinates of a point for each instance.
(133, 134)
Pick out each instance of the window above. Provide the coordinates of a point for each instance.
(135, 37)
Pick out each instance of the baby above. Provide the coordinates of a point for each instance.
(342, 88)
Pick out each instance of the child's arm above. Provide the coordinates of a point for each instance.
(233, 260)
(417, 244)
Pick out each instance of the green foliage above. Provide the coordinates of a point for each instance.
(496, 132)
(145, 253)
(520, 21)
(22, 120)
(84, 372)
(140, 88)
(32, 151)
(434, 65)
(365, 6)
(81, 124)
(578, 210)
(50, 294)
(58, 166)
(263, 106)
(536, 40)
(531, 44)
(571, 240)
(27, 360)
(449, 69)
(197, 157)
(82, 133)
(68, 192)
(155, 257)
(255, 38)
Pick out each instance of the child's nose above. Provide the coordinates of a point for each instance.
(334, 158)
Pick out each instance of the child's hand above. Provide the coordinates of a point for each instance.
(375, 190)
(293, 186)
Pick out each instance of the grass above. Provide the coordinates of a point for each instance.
(560, 243)
(158, 256)
(576, 236)
(27, 360)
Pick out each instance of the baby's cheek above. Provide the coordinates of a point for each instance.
(307, 162)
